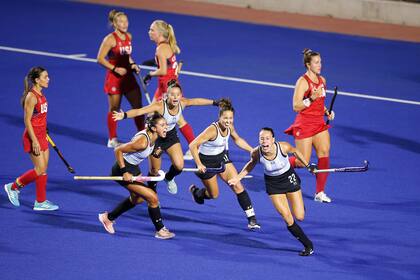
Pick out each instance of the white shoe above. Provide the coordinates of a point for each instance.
(164, 233)
(113, 143)
(107, 223)
(188, 155)
(172, 187)
(322, 197)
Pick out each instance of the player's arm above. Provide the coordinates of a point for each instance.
(196, 102)
(239, 141)
(287, 148)
(299, 103)
(154, 107)
(137, 145)
(248, 167)
(208, 134)
(107, 44)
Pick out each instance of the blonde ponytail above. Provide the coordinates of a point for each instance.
(172, 40)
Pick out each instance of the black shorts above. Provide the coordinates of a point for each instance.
(213, 162)
(133, 169)
(167, 142)
(285, 183)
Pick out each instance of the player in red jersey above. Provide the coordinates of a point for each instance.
(309, 128)
(167, 48)
(35, 143)
(115, 55)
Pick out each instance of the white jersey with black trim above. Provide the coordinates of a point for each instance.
(216, 146)
(279, 165)
(136, 157)
(171, 120)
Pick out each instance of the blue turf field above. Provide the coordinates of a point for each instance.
(370, 231)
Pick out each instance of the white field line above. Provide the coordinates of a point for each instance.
(79, 57)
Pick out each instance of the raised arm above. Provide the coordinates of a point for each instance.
(197, 102)
(154, 107)
(287, 148)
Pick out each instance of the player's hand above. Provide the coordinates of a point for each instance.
(317, 93)
(120, 71)
(36, 148)
(127, 176)
(135, 68)
(201, 168)
(147, 79)
(233, 181)
(331, 115)
(117, 116)
(312, 167)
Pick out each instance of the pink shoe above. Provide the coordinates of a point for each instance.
(107, 223)
(164, 233)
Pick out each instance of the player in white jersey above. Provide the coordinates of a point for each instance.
(213, 154)
(281, 181)
(171, 107)
(129, 156)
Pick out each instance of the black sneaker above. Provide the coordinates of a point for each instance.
(306, 252)
(253, 224)
(193, 190)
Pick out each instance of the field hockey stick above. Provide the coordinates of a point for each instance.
(69, 168)
(211, 170)
(144, 88)
(332, 102)
(120, 178)
(363, 168)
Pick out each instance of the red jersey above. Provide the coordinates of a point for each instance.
(172, 64)
(120, 54)
(317, 106)
(39, 116)
(120, 57)
(39, 124)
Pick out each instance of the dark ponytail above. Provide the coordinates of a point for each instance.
(225, 105)
(152, 120)
(30, 81)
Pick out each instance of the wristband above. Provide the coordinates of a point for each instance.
(113, 69)
(133, 63)
(125, 115)
(123, 169)
(216, 103)
(307, 102)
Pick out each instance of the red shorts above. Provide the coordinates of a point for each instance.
(41, 135)
(116, 84)
(163, 87)
(307, 126)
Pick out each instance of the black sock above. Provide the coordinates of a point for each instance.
(246, 204)
(151, 184)
(121, 208)
(201, 193)
(156, 217)
(172, 173)
(297, 232)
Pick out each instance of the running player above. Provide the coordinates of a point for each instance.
(281, 182)
(209, 151)
(35, 143)
(129, 156)
(171, 107)
(309, 128)
(115, 55)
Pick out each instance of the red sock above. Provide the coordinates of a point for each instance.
(292, 161)
(112, 126)
(24, 179)
(41, 188)
(321, 178)
(139, 121)
(188, 133)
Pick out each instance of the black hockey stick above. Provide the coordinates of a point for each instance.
(69, 168)
(363, 168)
(332, 102)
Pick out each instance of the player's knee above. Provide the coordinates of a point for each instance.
(153, 201)
(41, 170)
(288, 218)
(154, 172)
(300, 216)
(178, 166)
